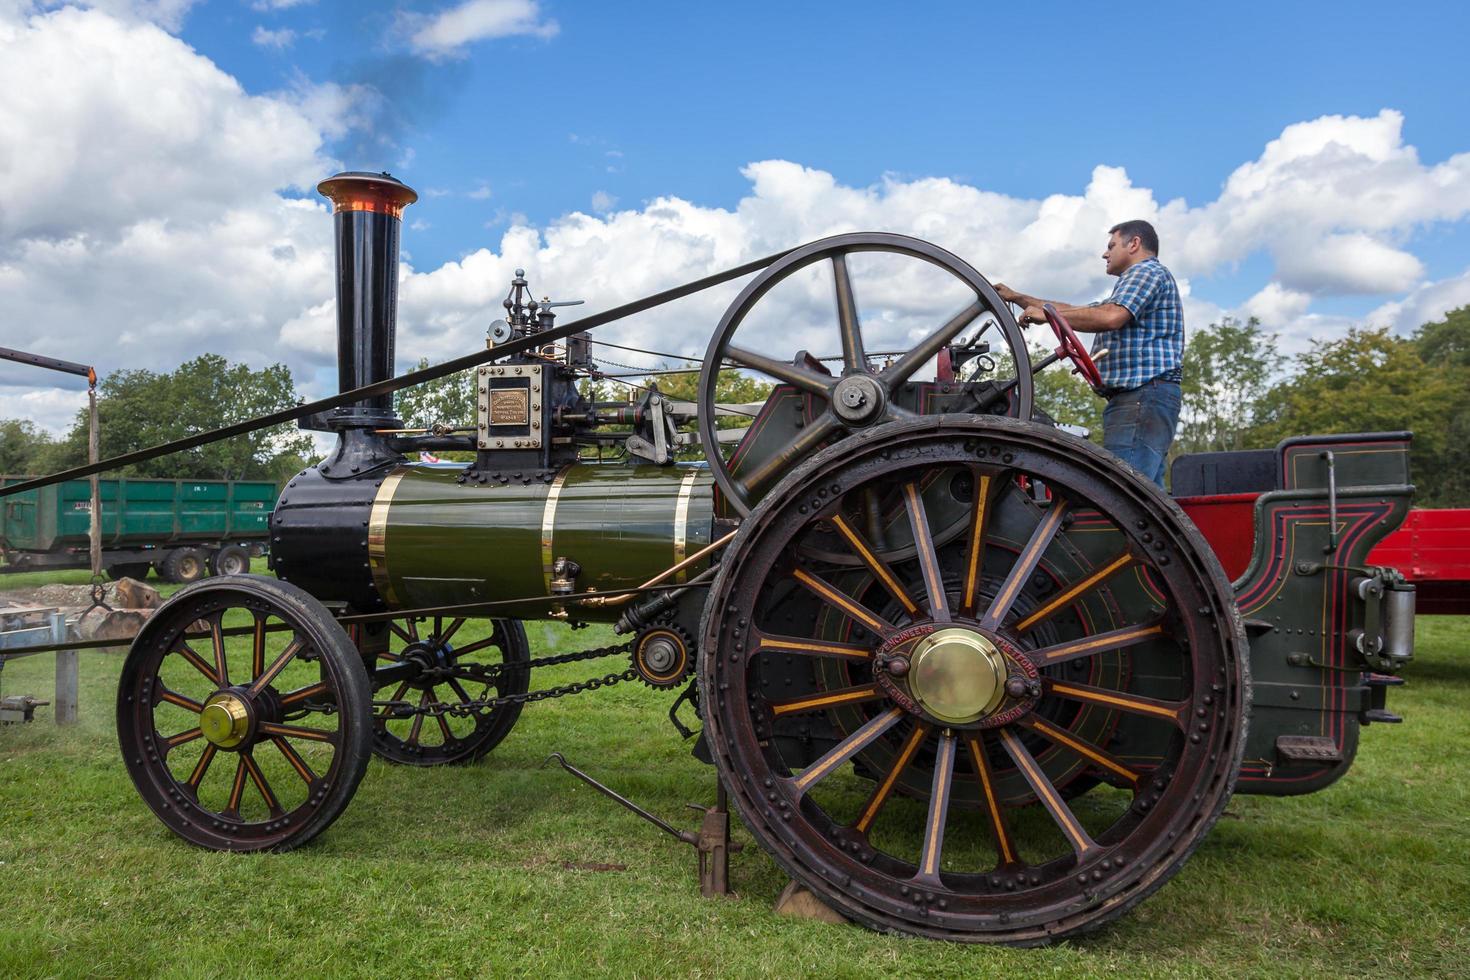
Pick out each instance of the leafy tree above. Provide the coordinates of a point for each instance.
(1228, 369)
(139, 409)
(23, 447)
(449, 400)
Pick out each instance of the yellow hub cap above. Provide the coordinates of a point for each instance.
(957, 675)
(224, 720)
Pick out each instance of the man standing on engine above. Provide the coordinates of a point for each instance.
(1144, 323)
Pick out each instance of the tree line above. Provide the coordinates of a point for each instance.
(1240, 392)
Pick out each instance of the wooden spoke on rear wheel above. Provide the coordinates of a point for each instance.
(817, 648)
(854, 357)
(876, 565)
(1091, 646)
(939, 793)
(827, 699)
(882, 790)
(1046, 792)
(1026, 562)
(975, 549)
(1174, 711)
(846, 749)
(387, 712)
(1082, 747)
(1005, 847)
(848, 606)
(1072, 593)
(928, 558)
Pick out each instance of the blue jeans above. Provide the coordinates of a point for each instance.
(1138, 426)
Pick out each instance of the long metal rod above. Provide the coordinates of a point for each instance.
(688, 837)
(49, 363)
(390, 385)
(671, 570)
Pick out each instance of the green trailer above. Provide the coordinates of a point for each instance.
(183, 528)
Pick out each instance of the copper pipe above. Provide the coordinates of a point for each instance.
(603, 601)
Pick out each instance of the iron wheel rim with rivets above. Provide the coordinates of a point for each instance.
(448, 739)
(243, 715)
(997, 870)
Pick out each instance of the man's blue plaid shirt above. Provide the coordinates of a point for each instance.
(1151, 345)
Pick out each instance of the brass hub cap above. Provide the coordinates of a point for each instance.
(225, 720)
(957, 675)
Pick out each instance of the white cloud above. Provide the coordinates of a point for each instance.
(481, 193)
(602, 202)
(1275, 305)
(264, 5)
(168, 14)
(447, 33)
(279, 39)
(1428, 302)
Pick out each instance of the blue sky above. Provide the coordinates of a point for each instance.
(1306, 163)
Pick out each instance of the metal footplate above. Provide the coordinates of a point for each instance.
(1307, 748)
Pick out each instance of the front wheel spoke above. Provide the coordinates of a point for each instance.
(295, 760)
(1091, 646)
(771, 643)
(975, 551)
(885, 788)
(876, 565)
(1026, 562)
(939, 794)
(798, 377)
(302, 693)
(201, 767)
(827, 699)
(1174, 711)
(216, 637)
(262, 786)
(1084, 748)
(845, 750)
(278, 665)
(928, 557)
(1004, 844)
(387, 712)
(453, 629)
(418, 721)
(237, 789)
(464, 651)
(197, 662)
(903, 369)
(854, 357)
(413, 629)
(780, 462)
(1068, 597)
(295, 731)
(443, 722)
(182, 738)
(188, 704)
(400, 632)
(845, 604)
(1046, 792)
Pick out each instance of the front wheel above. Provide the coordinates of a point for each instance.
(243, 715)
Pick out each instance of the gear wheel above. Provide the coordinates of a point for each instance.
(662, 655)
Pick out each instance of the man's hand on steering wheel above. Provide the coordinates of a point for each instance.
(1032, 314)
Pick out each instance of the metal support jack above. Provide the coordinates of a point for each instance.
(712, 843)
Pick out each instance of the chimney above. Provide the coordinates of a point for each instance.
(367, 214)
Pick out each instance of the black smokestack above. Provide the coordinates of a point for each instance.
(367, 213)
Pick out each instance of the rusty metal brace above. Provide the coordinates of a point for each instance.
(712, 843)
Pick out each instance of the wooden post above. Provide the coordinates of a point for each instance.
(65, 701)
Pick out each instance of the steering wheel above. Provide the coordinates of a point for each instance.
(1072, 348)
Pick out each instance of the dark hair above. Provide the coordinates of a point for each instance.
(1139, 229)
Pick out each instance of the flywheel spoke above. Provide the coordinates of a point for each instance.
(811, 437)
(902, 369)
(800, 378)
(854, 357)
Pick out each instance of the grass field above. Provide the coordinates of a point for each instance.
(493, 869)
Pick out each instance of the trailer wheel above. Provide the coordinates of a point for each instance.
(243, 715)
(232, 559)
(183, 565)
(900, 734)
(132, 569)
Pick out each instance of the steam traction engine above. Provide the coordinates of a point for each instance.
(963, 674)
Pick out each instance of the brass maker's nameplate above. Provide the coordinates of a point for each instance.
(510, 406)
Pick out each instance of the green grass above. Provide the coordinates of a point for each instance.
(481, 870)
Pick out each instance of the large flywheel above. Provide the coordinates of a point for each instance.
(907, 730)
(867, 389)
